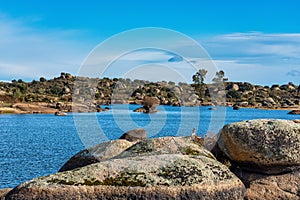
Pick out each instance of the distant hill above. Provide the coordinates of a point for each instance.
(117, 90)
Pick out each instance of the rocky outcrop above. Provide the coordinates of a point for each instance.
(268, 146)
(161, 168)
(36, 108)
(135, 135)
(264, 154)
(100, 152)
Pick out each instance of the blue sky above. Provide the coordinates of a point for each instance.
(252, 41)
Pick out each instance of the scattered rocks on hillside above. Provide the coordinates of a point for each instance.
(233, 87)
(135, 135)
(267, 146)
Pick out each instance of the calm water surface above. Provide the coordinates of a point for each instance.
(36, 145)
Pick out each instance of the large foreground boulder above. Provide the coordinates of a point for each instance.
(267, 146)
(161, 168)
(96, 154)
(148, 177)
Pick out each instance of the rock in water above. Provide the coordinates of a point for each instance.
(267, 145)
(96, 154)
(161, 168)
(135, 135)
(141, 109)
(294, 112)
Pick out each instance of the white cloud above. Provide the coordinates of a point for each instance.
(254, 44)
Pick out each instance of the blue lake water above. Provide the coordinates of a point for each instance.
(36, 145)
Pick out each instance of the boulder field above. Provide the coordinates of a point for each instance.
(260, 161)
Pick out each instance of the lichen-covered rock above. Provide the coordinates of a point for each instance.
(189, 145)
(266, 145)
(167, 176)
(97, 153)
(269, 187)
(135, 135)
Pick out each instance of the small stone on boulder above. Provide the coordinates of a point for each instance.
(135, 135)
(96, 154)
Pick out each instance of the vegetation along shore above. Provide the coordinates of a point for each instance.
(50, 96)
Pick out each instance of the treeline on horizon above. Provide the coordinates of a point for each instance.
(119, 90)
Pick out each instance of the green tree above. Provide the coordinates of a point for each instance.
(199, 77)
(17, 95)
(233, 94)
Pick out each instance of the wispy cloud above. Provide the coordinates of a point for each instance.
(255, 56)
(30, 52)
(294, 73)
(255, 44)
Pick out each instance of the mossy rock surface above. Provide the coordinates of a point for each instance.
(188, 145)
(168, 171)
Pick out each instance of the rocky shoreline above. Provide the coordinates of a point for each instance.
(46, 108)
(88, 94)
(255, 159)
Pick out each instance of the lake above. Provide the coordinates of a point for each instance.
(37, 145)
